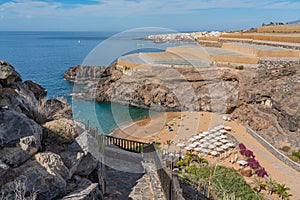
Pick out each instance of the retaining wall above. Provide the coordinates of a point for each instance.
(259, 52)
(275, 38)
(273, 150)
(279, 29)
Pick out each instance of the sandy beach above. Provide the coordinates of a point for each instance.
(188, 124)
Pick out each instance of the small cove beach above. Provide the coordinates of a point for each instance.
(189, 124)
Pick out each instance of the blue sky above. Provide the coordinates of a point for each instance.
(118, 15)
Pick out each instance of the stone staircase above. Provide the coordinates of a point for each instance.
(129, 177)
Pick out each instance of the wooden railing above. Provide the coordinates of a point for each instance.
(128, 145)
(169, 181)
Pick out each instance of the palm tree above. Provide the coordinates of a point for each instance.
(201, 160)
(271, 186)
(281, 190)
(259, 185)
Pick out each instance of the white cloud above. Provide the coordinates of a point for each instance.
(119, 8)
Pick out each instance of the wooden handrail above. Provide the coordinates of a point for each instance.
(128, 145)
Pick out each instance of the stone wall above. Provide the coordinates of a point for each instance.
(267, 37)
(273, 150)
(277, 63)
(279, 29)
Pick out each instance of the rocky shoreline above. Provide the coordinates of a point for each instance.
(44, 154)
(265, 97)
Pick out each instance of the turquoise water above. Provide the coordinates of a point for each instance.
(45, 56)
(108, 116)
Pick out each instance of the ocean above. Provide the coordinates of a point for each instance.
(45, 56)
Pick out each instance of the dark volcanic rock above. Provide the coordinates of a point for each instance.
(20, 137)
(53, 109)
(59, 133)
(83, 189)
(19, 99)
(8, 75)
(86, 73)
(44, 173)
(174, 89)
(38, 91)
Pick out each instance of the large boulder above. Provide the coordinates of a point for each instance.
(3, 169)
(59, 133)
(20, 99)
(53, 109)
(86, 73)
(20, 137)
(45, 174)
(79, 158)
(38, 91)
(82, 189)
(8, 75)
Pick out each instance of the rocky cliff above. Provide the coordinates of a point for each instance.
(265, 97)
(42, 150)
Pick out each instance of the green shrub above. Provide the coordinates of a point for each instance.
(286, 148)
(294, 158)
(223, 182)
(296, 153)
(240, 67)
(126, 68)
(180, 163)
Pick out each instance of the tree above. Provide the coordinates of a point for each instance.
(259, 185)
(271, 186)
(281, 190)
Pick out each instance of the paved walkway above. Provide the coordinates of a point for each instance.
(129, 178)
(149, 186)
(278, 170)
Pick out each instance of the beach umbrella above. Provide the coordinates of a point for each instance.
(192, 139)
(223, 136)
(221, 126)
(224, 147)
(201, 135)
(224, 141)
(188, 148)
(214, 153)
(223, 131)
(227, 128)
(204, 145)
(205, 133)
(180, 145)
(218, 138)
(219, 149)
(205, 151)
(213, 140)
(192, 145)
(211, 146)
(197, 137)
(213, 130)
(197, 143)
(231, 144)
(218, 143)
(198, 149)
(209, 137)
(242, 162)
(218, 133)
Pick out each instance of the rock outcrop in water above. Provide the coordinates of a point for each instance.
(85, 73)
(42, 153)
(266, 97)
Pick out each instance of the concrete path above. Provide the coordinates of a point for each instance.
(278, 170)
